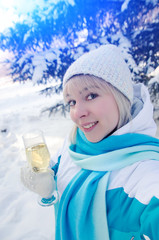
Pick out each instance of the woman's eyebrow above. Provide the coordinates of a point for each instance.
(88, 88)
(83, 90)
(67, 95)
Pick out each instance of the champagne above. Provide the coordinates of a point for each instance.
(38, 156)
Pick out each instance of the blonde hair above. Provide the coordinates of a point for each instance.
(123, 103)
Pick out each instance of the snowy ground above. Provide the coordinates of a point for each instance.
(21, 218)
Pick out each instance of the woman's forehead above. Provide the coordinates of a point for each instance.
(85, 83)
(80, 88)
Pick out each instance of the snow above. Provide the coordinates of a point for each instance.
(20, 106)
(125, 5)
(21, 217)
(126, 2)
(40, 63)
(155, 76)
(154, 2)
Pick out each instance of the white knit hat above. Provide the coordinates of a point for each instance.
(105, 62)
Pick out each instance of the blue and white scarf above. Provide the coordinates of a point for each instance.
(82, 211)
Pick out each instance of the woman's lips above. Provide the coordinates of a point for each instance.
(89, 126)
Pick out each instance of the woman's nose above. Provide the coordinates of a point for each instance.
(80, 111)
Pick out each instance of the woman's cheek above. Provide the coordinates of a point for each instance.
(72, 116)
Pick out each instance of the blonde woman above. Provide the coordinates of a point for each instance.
(107, 172)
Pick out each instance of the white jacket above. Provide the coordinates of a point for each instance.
(133, 191)
(142, 122)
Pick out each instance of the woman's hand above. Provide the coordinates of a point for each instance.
(42, 183)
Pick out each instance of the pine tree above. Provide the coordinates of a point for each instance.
(46, 45)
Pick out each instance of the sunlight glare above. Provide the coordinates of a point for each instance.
(12, 11)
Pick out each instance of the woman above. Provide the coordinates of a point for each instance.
(108, 169)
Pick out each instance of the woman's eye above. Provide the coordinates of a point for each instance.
(71, 103)
(92, 96)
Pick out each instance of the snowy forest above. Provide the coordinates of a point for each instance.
(48, 39)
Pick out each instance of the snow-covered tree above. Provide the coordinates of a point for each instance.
(52, 37)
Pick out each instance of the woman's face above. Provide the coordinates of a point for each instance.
(92, 108)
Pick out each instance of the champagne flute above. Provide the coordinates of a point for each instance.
(38, 157)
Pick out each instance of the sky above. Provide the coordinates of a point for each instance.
(12, 11)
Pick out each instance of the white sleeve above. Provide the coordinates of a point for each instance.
(55, 158)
